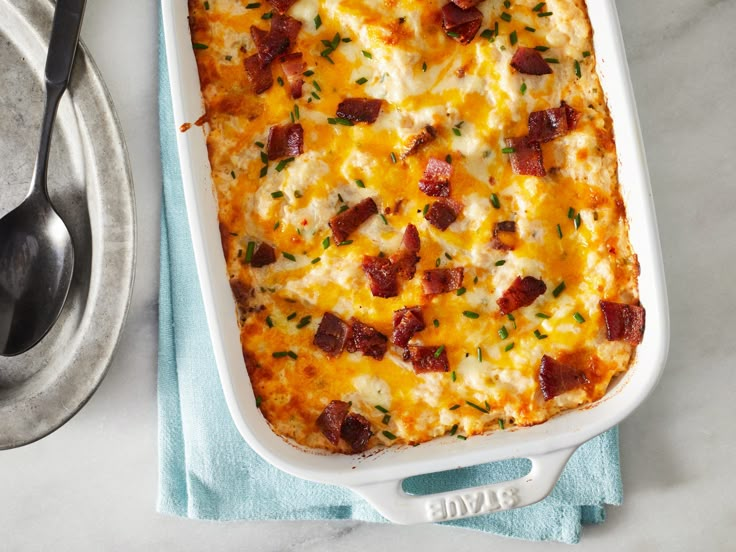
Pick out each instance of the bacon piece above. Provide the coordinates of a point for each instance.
(464, 23)
(345, 223)
(356, 431)
(263, 255)
(259, 76)
(285, 141)
(427, 135)
(281, 6)
(442, 280)
(278, 40)
(530, 62)
(465, 4)
(381, 274)
(436, 179)
(293, 66)
(501, 242)
(405, 261)
(359, 110)
(548, 124)
(428, 359)
(556, 378)
(623, 322)
(367, 340)
(332, 419)
(332, 334)
(526, 157)
(407, 322)
(572, 116)
(522, 293)
(443, 212)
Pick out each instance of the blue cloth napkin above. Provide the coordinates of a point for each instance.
(207, 471)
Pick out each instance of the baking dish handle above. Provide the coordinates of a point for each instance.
(391, 501)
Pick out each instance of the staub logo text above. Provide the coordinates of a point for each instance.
(469, 504)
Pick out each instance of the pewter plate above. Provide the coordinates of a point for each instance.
(91, 187)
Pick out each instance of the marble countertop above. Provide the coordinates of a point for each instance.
(92, 484)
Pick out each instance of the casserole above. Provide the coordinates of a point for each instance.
(378, 476)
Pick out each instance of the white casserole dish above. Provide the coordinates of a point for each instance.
(378, 476)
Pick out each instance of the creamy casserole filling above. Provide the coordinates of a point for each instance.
(420, 213)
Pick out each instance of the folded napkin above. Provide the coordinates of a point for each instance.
(207, 471)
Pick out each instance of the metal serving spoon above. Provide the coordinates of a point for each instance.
(36, 252)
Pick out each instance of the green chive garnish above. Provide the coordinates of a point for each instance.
(436, 323)
(439, 350)
(460, 291)
(288, 256)
(361, 81)
(305, 321)
(509, 347)
(453, 430)
(540, 335)
(471, 314)
(500, 423)
(389, 435)
(476, 407)
(381, 409)
(542, 315)
(454, 407)
(495, 201)
(479, 353)
(367, 54)
(317, 21)
(559, 289)
(198, 46)
(578, 318)
(360, 183)
(501, 262)
(277, 195)
(503, 333)
(326, 242)
(269, 322)
(508, 150)
(249, 251)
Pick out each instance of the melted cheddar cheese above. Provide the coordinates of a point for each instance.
(570, 225)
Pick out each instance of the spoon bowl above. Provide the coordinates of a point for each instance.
(36, 266)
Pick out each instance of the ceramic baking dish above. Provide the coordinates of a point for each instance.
(378, 475)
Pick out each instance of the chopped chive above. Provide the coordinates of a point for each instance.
(383, 218)
(487, 34)
(479, 353)
(317, 87)
(292, 316)
(471, 314)
(559, 289)
(578, 318)
(542, 315)
(439, 351)
(500, 263)
(513, 38)
(386, 419)
(389, 435)
(586, 53)
(308, 73)
(436, 323)
(571, 213)
(317, 21)
(347, 39)
(453, 429)
(292, 355)
(381, 409)
(232, 173)
(424, 67)
(206, 5)
(453, 34)
(523, 88)
(509, 347)
(438, 262)
(538, 7)
(267, 15)
(367, 54)
(264, 171)
(360, 183)
(448, 158)
(460, 291)
(253, 5)
(540, 335)
(559, 231)
(281, 83)
(578, 221)
(507, 4)
(454, 407)
(503, 333)
(453, 376)
(342, 209)
(477, 407)
(282, 164)
(552, 60)
(544, 14)
(264, 158)
(361, 81)
(339, 121)
(495, 201)
(530, 29)
(296, 111)
(456, 131)
(512, 320)
(500, 423)
(426, 208)
(448, 256)
(578, 73)
(393, 157)
(277, 195)
(269, 322)
(305, 321)
(199, 46)
(279, 354)
(508, 150)
(316, 260)
(249, 251)
(346, 242)
(541, 48)
(506, 16)
(326, 242)
(259, 400)
(288, 256)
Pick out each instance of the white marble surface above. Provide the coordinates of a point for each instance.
(92, 484)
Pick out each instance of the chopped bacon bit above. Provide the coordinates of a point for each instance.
(285, 141)
(263, 255)
(428, 359)
(367, 340)
(623, 322)
(407, 322)
(548, 124)
(259, 76)
(241, 293)
(356, 431)
(573, 116)
(427, 135)
(530, 62)
(522, 293)
(436, 179)
(293, 65)
(465, 4)
(281, 6)
(381, 274)
(278, 40)
(501, 242)
(332, 419)
(442, 280)
(463, 23)
(359, 110)
(443, 212)
(526, 157)
(345, 223)
(405, 261)
(332, 334)
(556, 378)
(411, 241)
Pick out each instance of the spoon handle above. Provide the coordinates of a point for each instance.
(59, 61)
